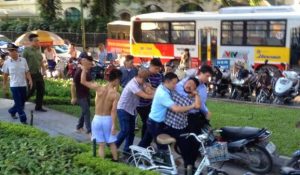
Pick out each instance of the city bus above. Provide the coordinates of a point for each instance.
(251, 35)
(117, 43)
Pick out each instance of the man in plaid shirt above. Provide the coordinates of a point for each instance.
(177, 123)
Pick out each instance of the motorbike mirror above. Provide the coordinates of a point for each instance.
(266, 62)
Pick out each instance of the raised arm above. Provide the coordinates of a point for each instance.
(91, 85)
(114, 114)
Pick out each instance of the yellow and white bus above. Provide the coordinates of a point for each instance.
(248, 34)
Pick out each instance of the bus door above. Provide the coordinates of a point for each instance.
(295, 48)
(208, 45)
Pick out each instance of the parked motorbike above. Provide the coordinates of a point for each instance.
(248, 145)
(293, 166)
(243, 85)
(286, 88)
(220, 81)
(264, 87)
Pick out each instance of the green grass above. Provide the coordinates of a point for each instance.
(280, 121)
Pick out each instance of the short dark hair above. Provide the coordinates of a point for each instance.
(170, 76)
(129, 57)
(156, 62)
(114, 74)
(186, 49)
(195, 80)
(206, 69)
(32, 36)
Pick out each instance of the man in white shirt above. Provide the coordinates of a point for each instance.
(102, 54)
(16, 67)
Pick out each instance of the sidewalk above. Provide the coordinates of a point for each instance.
(53, 122)
(57, 123)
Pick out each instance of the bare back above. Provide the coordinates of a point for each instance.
(104, 100)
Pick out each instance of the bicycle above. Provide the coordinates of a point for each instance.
(143, 157)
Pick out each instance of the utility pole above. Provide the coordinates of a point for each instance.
(82, 26)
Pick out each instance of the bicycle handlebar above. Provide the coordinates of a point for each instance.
(200, 138)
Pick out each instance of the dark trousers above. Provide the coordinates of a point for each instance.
(85, 117)
(38, 85)
(185, 145)
(127, 126)
(196, 122)
(19, 96)
(153, 130)
(144, 112)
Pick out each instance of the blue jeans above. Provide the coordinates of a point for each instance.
(84, 104)
(127, 126)
(19, 95)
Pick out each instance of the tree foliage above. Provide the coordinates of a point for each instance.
(50, 10)
(103, 8)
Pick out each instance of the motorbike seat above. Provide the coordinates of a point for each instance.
(289, 171)
(237, 133)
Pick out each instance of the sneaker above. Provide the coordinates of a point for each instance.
(24, 123)
(80, 130)
(13, 116)
(40, 110)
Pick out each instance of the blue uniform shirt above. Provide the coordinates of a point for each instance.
(161, 102)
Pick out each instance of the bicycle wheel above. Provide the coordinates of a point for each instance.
(140, 161)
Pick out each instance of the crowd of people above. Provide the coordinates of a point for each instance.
(163, 103)
(155, 94)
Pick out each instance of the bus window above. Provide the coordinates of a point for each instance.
(254, 33)
(151, 32)
(276, 33)
(183, 32)
(121, 36)
(114, 35)
(232, 33)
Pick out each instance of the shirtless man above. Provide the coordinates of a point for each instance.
(104, 122)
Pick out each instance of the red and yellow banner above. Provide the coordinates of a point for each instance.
(118, 46)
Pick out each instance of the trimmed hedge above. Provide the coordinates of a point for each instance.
(26, 150)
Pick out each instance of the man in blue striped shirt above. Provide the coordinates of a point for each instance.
(153, 81)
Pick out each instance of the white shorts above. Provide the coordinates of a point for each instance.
(101, 129)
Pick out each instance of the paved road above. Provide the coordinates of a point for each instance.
(58, 123)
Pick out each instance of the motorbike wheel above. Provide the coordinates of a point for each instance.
(277, 101)
(216, 172)
(234, 94)
(260, 160)
(294, 163)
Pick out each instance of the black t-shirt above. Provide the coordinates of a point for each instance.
(81, 90)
